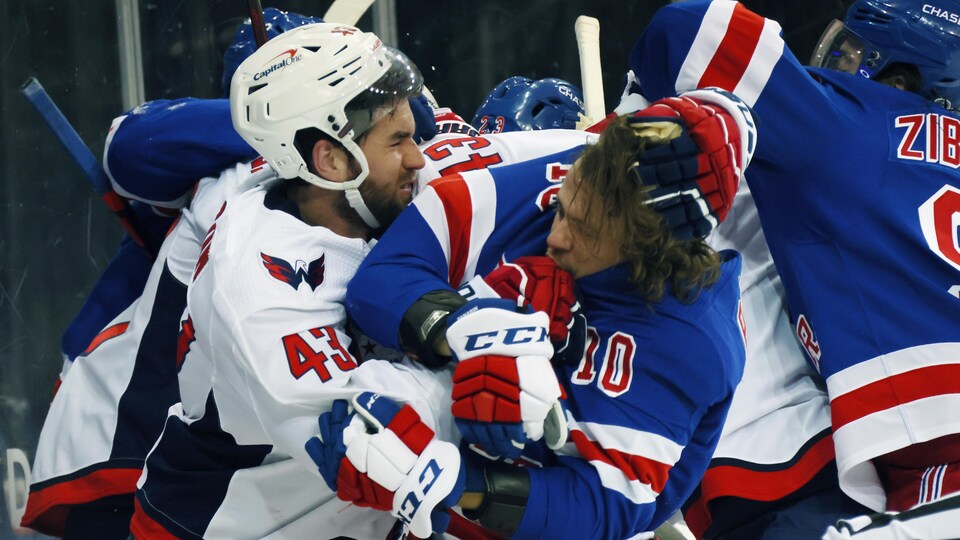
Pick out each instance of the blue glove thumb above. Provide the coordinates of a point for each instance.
(327, 449)
(423, 117)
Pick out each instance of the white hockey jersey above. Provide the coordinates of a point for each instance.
(267, 353)
(112, 403)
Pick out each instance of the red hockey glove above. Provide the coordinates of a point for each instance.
(699, 145)
(539, 283)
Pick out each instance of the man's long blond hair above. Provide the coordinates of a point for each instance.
(617, 205)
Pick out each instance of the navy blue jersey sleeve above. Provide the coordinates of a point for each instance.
(156, 152)
(406, 263)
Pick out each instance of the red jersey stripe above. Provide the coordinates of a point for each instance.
(732, 57)
(458, 208)
(47, 508)
(143, 527)
(106, 335)
(895, 390)
(732, 481)
(633, 467)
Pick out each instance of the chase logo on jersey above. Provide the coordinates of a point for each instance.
(294, 275)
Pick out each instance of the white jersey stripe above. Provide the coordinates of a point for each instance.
(630, 441)
(483, 196)
(766, 56)
(885, 431)
(890, 364)
(612, 478)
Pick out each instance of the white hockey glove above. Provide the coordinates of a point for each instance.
(385, 457)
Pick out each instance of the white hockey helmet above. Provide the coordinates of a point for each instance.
(331, 77)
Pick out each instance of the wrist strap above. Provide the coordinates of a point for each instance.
(425, 323)
(505, 499)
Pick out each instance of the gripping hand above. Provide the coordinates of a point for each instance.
(389, 459)
(539, 283)
(698, 146)
(505, 392)
(423, 117)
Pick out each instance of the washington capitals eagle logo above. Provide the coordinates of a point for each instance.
(292, 275)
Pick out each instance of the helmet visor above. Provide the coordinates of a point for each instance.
(401, 81)
(839, 49)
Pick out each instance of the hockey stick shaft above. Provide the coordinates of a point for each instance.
(346, 11)
(587, 30)
(256, 21)
(33, 91)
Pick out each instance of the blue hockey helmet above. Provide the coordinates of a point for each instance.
(878, 33)
(522, 104)
(244, 41)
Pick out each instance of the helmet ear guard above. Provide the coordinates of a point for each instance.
(334, 78)
(877, 34)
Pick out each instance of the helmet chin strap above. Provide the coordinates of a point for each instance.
(356, 202)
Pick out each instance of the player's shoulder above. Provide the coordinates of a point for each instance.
(705, 324)
(232, 181)
(264, 256)
(525, 145)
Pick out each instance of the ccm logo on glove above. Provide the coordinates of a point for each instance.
(411, 503)
(507, 336)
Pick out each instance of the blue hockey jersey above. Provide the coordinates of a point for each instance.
(647, 401)
(858, 191)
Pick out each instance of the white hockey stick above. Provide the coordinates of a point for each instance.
(346, 11)
(591, 77)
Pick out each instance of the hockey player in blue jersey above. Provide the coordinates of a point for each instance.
(646, 399)
(857, 188)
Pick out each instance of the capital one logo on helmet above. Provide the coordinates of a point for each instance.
(291, 57)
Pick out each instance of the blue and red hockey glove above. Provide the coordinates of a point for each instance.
(505, 391)
(383, 456)
(538, 283)
(699, 145)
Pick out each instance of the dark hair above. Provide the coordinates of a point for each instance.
(617, 203)
(909, 73)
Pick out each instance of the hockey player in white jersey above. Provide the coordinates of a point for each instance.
(102, 420)
(264, 341)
